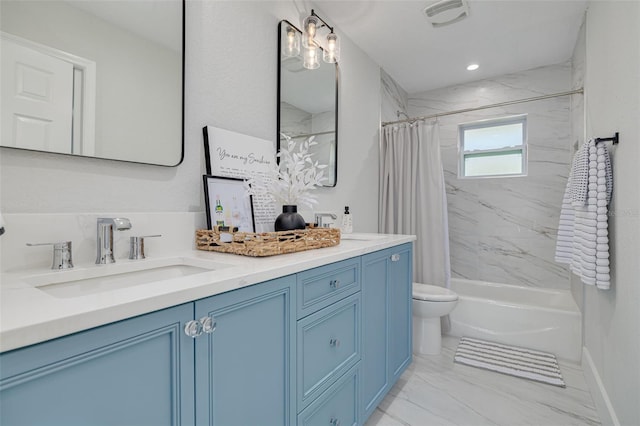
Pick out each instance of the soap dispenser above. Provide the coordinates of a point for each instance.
(347, 221)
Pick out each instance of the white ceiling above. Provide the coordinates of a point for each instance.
(501, 36)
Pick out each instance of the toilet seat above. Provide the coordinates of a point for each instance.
(433, 293)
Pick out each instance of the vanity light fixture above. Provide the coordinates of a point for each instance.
(292, 45)
(331, 51)
(310, 61)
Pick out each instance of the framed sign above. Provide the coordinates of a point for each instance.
(228, 203)
(235, 155)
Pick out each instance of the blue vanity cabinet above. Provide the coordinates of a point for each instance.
(328, 344)
(323, 346)
(244, 366)
(400, 312)
(322, 286)
(386, 322)
(338, 405)
(133, 372)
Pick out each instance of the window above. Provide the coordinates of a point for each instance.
(494, 147)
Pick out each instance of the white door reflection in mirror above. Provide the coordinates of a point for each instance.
(47, 101)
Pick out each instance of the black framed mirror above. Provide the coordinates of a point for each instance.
(308, 103)
(98, 78)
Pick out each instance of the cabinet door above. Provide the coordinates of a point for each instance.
(386, 322)
(375, 270)
(400, 302)
(244, 367)
(133, 372)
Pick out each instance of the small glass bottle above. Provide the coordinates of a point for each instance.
(219, 212)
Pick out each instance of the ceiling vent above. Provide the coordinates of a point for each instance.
(446, 12)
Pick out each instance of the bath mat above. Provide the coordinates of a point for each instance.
(512, 360)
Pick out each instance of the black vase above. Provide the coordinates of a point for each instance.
(289, 219)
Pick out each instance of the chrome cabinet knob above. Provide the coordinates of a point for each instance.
(333, 342)
(208, 324)
(193, 329)
(395, 257)
(334, 283)
(334, 422)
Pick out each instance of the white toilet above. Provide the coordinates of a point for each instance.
(430, 302)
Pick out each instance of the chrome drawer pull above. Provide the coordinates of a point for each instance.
(334, 422)
(208, 324)
(334, 283)
(334, 342)
(395, 257)
(193, 329)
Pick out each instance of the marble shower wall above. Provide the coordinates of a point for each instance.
(504, 229)
(393, 98)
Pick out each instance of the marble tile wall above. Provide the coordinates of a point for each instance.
(394, 98)
(504, 229)
(294, 121)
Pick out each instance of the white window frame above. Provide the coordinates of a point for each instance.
(462, 153)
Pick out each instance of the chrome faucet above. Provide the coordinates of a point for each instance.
(106, 226)
(319, 216)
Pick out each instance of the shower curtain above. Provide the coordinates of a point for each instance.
(413, 199)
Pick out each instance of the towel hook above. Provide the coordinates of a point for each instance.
(615, 139)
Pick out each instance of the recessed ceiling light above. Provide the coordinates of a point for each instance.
(473, 67)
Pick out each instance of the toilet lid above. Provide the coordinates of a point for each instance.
(433, 293)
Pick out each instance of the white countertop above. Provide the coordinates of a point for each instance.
(30, 315)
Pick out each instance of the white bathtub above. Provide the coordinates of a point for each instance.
(547, 320)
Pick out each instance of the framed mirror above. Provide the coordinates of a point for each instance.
(98, 78)
(308, 104)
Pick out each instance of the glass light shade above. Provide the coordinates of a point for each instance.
(331, 53)
(292, 43)
(309, 27)
(311, 61)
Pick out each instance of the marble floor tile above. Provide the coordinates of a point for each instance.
(436, 391)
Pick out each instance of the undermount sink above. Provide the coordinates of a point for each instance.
(363, 237)
(102, 278)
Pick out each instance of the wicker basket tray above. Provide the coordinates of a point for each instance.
(266, 243)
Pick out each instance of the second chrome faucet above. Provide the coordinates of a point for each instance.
(106, 226)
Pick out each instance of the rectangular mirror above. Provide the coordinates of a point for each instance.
(94, 78)
(308, 103)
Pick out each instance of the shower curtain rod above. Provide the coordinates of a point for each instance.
(311, 134)
(459, 111)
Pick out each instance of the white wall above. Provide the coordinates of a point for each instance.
(231, 60)
(503, 229)
(612, 318)
(577, 129)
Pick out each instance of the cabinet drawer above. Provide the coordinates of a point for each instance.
(320, 287)
(328, 345)
(337, 406)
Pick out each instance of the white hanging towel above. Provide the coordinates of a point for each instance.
(583, 236)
